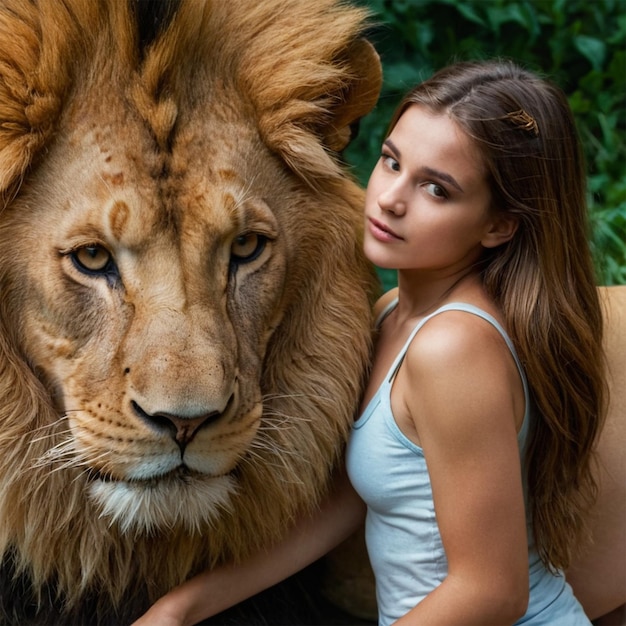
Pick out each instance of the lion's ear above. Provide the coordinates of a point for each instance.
(358, 98)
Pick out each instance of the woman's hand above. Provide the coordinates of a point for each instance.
(217, 589)
(161, 613)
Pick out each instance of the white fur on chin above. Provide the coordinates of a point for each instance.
(142, 507)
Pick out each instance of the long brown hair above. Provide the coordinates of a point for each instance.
(543, 279)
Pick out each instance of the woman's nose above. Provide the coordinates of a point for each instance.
(392, 200)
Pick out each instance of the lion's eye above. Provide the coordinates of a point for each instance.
(93, 259)
(247, 248)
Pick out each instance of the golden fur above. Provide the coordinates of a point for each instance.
(598, 573)
(185, 308)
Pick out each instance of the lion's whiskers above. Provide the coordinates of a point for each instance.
(262, 444)
(252, 457)
(63, 456)
(50, 435)
(281, 421)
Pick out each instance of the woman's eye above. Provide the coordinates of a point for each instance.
(92, 259)
(247, 247)
(435, 190)
(389, 162)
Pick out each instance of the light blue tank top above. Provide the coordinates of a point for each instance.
(405, 548)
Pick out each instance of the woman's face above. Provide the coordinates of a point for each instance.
(428, 202)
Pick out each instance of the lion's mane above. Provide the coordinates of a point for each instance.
(294, 75)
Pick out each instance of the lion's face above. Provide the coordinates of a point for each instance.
(150, 302)
(185, 306)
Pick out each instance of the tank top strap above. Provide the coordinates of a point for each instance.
(385, 312)
(474, 310)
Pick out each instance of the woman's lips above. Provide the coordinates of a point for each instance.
(381, 232)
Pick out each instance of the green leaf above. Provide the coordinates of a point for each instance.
(592, 49)
(467, 10)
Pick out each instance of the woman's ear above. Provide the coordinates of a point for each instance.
(501, 230)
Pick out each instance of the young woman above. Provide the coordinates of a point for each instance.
(473, 450)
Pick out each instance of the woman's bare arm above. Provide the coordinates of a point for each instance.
(459, 388)
(218, 589)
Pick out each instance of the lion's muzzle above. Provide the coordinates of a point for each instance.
(182, 428)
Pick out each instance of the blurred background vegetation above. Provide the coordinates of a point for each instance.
(579, 44)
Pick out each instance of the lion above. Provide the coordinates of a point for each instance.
(180, 365)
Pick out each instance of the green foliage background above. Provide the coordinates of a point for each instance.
(580, 44)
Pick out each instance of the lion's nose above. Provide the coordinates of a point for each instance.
(182, 429)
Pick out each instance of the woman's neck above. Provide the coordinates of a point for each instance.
(418, 296)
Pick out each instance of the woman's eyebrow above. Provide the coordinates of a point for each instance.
(442, 176)
(429, 171)
(392, 146)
